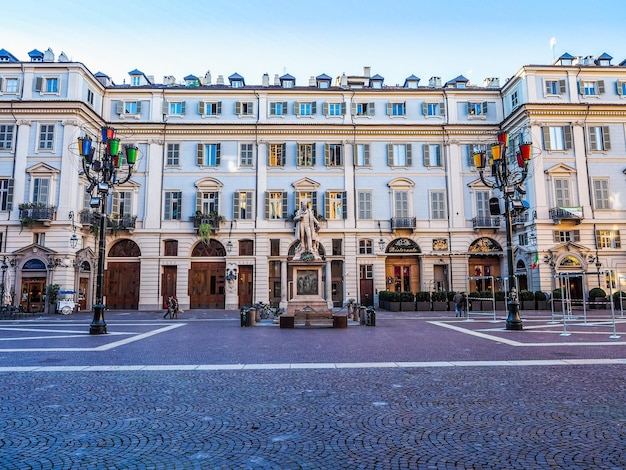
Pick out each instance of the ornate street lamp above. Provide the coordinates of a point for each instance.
(101, 169)
(508, 174)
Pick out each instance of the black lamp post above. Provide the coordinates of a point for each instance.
(508, 174)
(101, 169)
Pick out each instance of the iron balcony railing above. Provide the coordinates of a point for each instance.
(566, 213)
(403, 223)
(486, 222)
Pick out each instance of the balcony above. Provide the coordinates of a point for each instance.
(212, 219)
(403, 223)
(486, 223)
(558, 214)
(520, 219)
(116, 223)
(87, 217)
(31, 213)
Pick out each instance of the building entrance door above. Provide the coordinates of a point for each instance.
(33, 295)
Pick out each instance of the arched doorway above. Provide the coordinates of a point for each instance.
(122, 277)
(570, 264)
(522, 277)
(206, 278)
(402, 265)
(484, 262)
(32, 298)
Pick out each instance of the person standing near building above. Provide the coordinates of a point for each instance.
(458, 304)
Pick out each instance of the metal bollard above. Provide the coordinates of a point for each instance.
(245, 313)
(371, 316)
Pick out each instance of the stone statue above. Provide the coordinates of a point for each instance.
(306, 231)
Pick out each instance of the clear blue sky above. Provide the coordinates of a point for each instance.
(305, 38)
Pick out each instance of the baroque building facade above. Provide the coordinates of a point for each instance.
(388, 171)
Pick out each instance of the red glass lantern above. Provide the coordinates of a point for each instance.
(503, 138)
(526, 151)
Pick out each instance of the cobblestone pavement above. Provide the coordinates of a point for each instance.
(416, 391)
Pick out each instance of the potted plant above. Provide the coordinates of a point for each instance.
(407, 300)
(527, 300)
(440, 300)
(541, 300)
(52, 294)
(204, 232)
(597, 298)
(422, 301)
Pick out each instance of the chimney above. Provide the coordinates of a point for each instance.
(207, 78)
(265, 81)
(492, 82)
(312, 81)
(367, 71)
(343, 81)
(220, 79)
(434, 82)
(276, 80)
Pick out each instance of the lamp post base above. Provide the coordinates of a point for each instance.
(100, 329)
(514, 322)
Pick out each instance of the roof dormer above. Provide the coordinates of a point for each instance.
(103, 78)
(6, 56)
(604, 60)
(323, 81)
(458, 82)
(376, 82)
(411, 81)
(236, 81)
(287, 81)
(35, 56)
(138, 78)
(565, 59)
(192, 81)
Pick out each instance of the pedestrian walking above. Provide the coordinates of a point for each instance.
(458, 307)
(172, 307)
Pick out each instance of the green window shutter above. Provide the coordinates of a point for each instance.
(581, 88)
(138, 107)
(618, 243)
(561, 86)
(283, 153)
(567, 134)
(366, 154)
(198, 201)
(344, 204)
(218, 153)
(485, 108)
(353, 109)
(238, 108)
(273, 109)
(0, 83)
(576, 235)
(219, 107)
(325, 108)
(267, 205)
(165, 108)
(469, 108)
(371, 109)
(115, 206)
(200, 155)
(326, 206)
(607, 137)
(326, 154)
(38, 83)
(389, 106)
(409, 154)
(425, 108)
(547, 88)
(235, 205)
(10, 195)
(593, 142)
(390, 155)
(546, 138)
(267, 154)
(442, 109)
(426, 155)
(250, 205)
(313, 153)
(285, 108)
(119, 107)
(201, 108)
(470, 155)
(314, 201)
(284, 205)
(296, 108)
(618, 84)
(314, 107)
(601, 87)
(182, 107)
(343, 108)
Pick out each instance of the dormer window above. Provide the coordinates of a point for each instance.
(376, 82)
(236, 81)
(411, 82)
(323, 81)
(287, 81)
(136, 80)
(566, 60)
(604, 60)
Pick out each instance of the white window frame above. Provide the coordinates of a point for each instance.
(334, 205)
(306, 109)
(244, 108)
(562, 190)
(477, 110)
(41, 190)
(362, 155)
(557, 138)
(209, 109)
(206, 149)
(554, 87)
(591, 88)
(396, 109)
(601, 190)
(243, 205)
(438, 205)
(305, 155)
(276, 154)
(366, 247)
(42, 84)
(6, 194)
(7, 137)
(433, 109)
(432, 156)
(599, 139)
(122, 203)
(608, 238)
(399, 155)
(621, 88)
(4, 85)
(364, 205)
(278, 109)
(49, 140)
(172, 205)
(482, 197)
(172, 154)
(333, 155)
(246, 155)
(363, 109)
(276, 205)
(129, 109)
(174, 108)
(208, 199)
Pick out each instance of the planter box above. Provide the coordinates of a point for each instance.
(501, 306)
(558, 305)
(407, 306)
(527, 304)
(394, 306)
(475, 305)
(440, 306)
(422, 306)
(542, 305)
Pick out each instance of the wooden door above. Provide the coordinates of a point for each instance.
(206, 285)
(246, 286)
(122, 285)
(33, 295)
(168, 283)
(83, 291)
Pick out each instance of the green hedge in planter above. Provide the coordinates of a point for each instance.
(540, 296)
(407, 297)
(500, 296)
(439, 296)
(422, 296)
(596, 293)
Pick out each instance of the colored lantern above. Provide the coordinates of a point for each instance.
(479, 160)
(520, 161)
(117, 160)
(503, 138)
(84, 146)
(113, 146)
(107, 134)
(526, 151)
(496, 151)
(131, 154)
